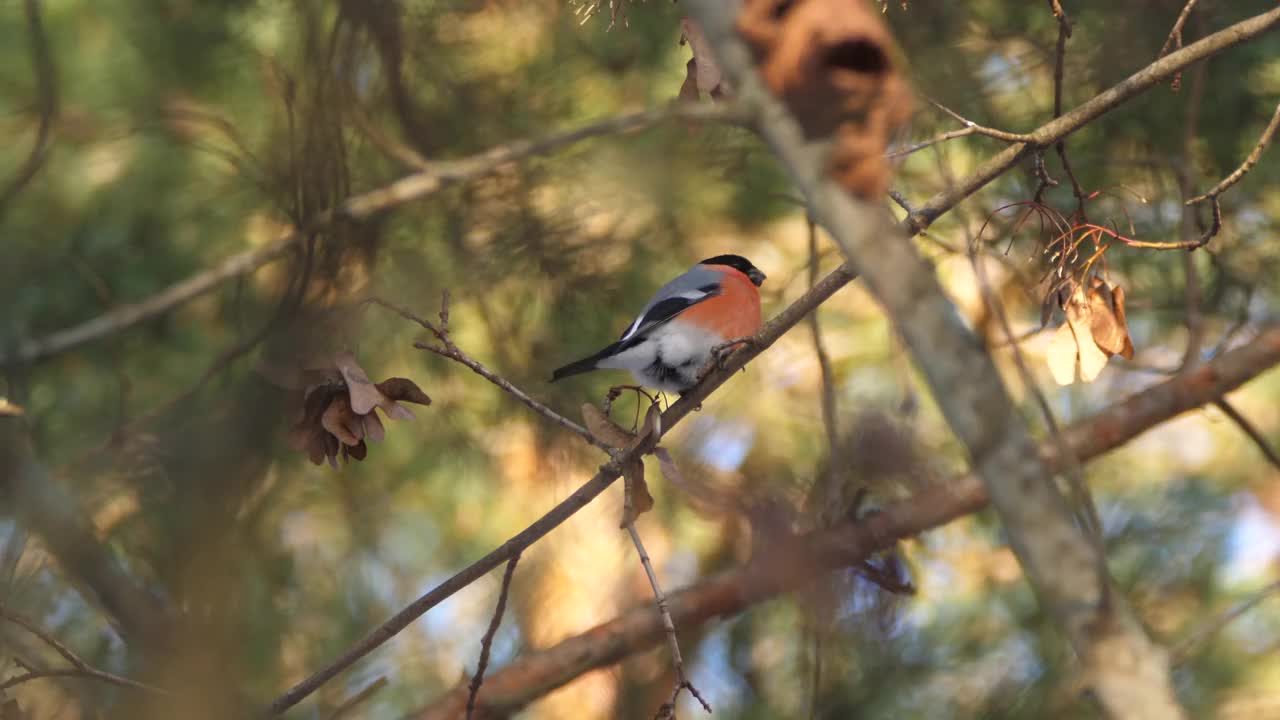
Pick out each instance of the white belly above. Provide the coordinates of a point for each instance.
(670, 358)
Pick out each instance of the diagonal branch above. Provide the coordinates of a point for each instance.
(1248, 428)
(772, 331)
(1265, 139)
(79, 668)
(138, 613)
(1083, 114)
(486, 642)
(608, 473)
(775, 328)
(1122, 665)
(728, 593)
(410, 188)
(1198, 637)
(427, 182)
(447, 349)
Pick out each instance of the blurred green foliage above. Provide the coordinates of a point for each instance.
(186, 132)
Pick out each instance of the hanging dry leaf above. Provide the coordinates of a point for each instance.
(342, 422)
(9, 409)
(636, 499)
(1062, 355)
(833, 63)
(604, 428)
(336, 418)
(364, 396)
(670, 470)
(1075, 341)
(1107, 321)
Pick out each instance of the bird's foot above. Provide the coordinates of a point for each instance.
(721, 352)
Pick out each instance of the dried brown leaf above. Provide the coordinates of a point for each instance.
(833, 62)
(398, 388)
(636, 498)
(331, 448)
(342, 422)
(605, 429)
(373, 429)
(9, 409)
(1107, 319)
(670, 470)
(1092, 359)
(652, 424)
(1062, 354)
(315, 446)
(365, 396)
(1082, 346)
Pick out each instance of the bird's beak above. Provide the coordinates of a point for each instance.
(756, 277)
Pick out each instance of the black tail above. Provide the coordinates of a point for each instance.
(586, 364)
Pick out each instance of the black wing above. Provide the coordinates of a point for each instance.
(653, 317)
(661, 312)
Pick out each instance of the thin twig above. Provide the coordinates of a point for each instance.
(970, 128)
(830, 421)
(486, 643)
(916, 222)
(1062, 566)
(1183, 650)
(1175, 35)
(1059, 68)
(1087, 112)
(1186, 180)
(1070, 463)
(1249, 429)
(410, 188)
(1267, 135)
(982, 129)
(768, 335)
(723, 595)
(668, 626)
(352, 702)
(79, 668)
(447, 349)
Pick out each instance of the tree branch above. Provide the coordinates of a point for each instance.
(1099, 105)
(447, 349)
(486, 642)
(1267, 135)
(412, 187)
(775, 328)
(1248, 428)
(1123, 667)
(607, 474)
(728, 593)
(1175, 35)
(79, 668)
(668, 628)
(1214, 625)
(41, 506)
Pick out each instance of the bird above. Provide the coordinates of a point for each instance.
(673, 339)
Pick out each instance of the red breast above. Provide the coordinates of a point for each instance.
(732, 314)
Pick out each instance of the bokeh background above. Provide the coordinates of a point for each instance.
(185, 132)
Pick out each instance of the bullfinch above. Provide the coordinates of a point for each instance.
(673, 339)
